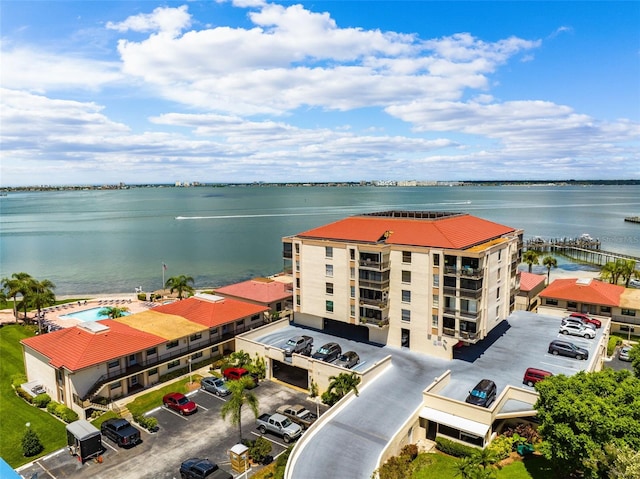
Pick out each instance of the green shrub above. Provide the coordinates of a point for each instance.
(142, 296)
(17, 380)
(149, 423)
(454, 448)
(41, 400)
(31, 444)
(410, 450)
(24, 394)
(259, 449)
(611, 345)
(63, 412)
(501, 447)
(51, 407)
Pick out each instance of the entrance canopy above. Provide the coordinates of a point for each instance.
(466, 425)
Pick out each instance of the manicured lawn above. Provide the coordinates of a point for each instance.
(14, 411)
(153, 399)
(439, 466)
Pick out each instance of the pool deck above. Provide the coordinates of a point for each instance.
(54, 315)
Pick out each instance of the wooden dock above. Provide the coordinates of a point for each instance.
(582, 249)
(632, 219)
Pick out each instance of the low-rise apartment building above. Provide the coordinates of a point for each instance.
(274, 293)
(116, 357)
(594, 297)
(416, 279)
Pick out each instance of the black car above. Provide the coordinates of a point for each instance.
(566, 348)
(483, 394)
(121, 432)
(328, 352)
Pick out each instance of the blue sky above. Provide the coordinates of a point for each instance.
(96, 92)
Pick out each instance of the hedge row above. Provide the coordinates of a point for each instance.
(453, 448)
(62, 411)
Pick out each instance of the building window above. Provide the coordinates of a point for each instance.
(256, 317)
(406, 296)
(329, 288)
(297, 300)
(172, 344)
(499, 269)
(497, 311)
(297, 266)
(113, 364)
(628, 312)
(436, 259)
(436, 300)
(499, 254)
(278, 308)
(328, 270)
(436, 280)
(572, 304)
(605, 309)
(551, 301)
(173, 364)
(196, 355)
(297, 246)
(328, 251)
(353, 291)
(353, 310)
(195, 337)
(240, 323)
(498, 293)
(434, 320)
(352, 253)
(152, 351)
(329, 306)
(352, 272)
(406, 256)
(152, 372)
(406, 276)
(298, 283)
(213, 331)
(115, 385)
(406, 315)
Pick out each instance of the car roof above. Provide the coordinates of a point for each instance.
(175, 395)
(485, 383)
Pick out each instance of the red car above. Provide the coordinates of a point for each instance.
(180, 403)
(587, 319)
(233, 374)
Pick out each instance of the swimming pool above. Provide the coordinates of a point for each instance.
(89, 314)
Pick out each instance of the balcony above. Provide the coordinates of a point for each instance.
(471, 293)
(374, 265)
(449, 332)
(475, 273)
(374, 322)
(377, 303)
(377, 285)
(450, 270)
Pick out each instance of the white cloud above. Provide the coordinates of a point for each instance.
(164, 20)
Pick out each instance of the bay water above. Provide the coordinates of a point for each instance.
(112, 241)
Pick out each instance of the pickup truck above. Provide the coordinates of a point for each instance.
(196, 468)
(299, 344)
(121, 432)
(298, 414)
(279, 425)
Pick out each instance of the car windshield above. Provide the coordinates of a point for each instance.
(286, 422)
(479, 394)
(183, 400)
(344, 357)
(217, 382)
(323, 350)
(292, 342)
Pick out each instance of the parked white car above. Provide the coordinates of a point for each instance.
(578, 330)
(623, 355)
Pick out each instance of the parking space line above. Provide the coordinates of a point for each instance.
(200, 406)
(45, 470)
(271, 440)
(559, 366)
(105, 443)
(212, 394)
(175, 413)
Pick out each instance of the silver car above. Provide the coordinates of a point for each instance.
(347, 360)
(578, 330)
(623, 355)
(215, 386)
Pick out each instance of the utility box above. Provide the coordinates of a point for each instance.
(239, 456)
(84, 440)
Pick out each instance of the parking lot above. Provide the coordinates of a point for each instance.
(202, 434)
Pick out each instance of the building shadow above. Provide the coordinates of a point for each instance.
(473, 352)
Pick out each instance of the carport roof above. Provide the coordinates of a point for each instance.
(261, 290)
(457, 422)
(210, 313)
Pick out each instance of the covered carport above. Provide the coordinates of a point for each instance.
(345, 330)
(289, 374)
(456, 427)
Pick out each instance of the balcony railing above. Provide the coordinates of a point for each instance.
(377, 322)
(374, 265)
(373, 284)
(471, 293)
(473, 315)
(449, 331)
(378, 303)
(450, 290)
(472, 272)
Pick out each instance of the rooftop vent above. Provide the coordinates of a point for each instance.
(583, 281)
(94, 326)
(213, 298)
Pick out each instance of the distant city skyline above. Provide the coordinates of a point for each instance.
(132, 92)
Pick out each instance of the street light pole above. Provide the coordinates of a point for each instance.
(189, 361)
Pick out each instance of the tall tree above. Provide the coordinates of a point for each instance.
(41, 296)
(181, 284)
(113, 312)
(340, 386)
(627, 268)
(530, 257)
(16, 286)
(581, 415)
(239, 397)
(608, 271)
(549, 262)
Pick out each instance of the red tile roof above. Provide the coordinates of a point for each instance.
(453, 232)
(211, 313)
(77, 348)
(259, 290)
(528, 281)
(581, 291)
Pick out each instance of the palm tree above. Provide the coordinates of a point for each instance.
(530, 257)
(240, 395)
(41, 296)
(181, 284)
(113, 312)
(549, 262)
(14, 286)
(466, 467)
(608, 271)
(342, 384)
(627, 269)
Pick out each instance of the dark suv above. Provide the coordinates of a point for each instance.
(328, 352)
(483, 394)
(565, 348)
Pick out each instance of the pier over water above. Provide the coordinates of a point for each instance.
(583, 248)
